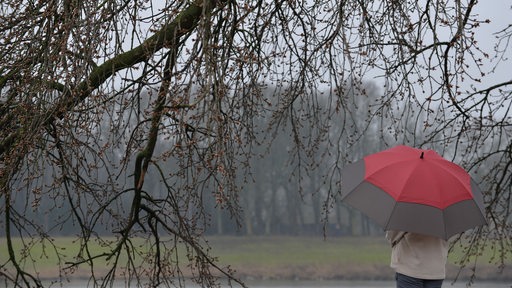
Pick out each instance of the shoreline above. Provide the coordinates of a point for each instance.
(317, 273)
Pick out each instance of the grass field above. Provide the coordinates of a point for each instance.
(270, 257)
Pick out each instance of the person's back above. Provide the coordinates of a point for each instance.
(418, 260)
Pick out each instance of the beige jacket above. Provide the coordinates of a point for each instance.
(417, 255)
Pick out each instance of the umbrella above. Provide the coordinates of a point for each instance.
(414, 190)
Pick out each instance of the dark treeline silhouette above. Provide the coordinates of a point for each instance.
(277, 197)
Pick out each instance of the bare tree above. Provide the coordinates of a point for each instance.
(89, 88)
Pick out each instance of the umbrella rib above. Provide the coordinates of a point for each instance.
(386, 227)
(443, 211)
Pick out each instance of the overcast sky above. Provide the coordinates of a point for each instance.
(499, 12)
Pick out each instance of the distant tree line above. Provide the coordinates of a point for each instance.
(278, 197)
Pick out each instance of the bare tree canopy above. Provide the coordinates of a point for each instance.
(97, 96)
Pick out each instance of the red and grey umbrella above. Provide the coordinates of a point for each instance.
(414, 190)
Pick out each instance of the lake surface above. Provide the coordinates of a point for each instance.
(337, 284)
(365, 284)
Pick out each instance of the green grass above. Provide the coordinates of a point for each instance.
(300, 250)
(253, 256)
(234, 251)
(44, 254)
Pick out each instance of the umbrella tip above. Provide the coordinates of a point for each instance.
(421, 156)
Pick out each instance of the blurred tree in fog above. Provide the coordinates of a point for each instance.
(97, 97)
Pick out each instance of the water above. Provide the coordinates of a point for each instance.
(365, 284)
(336, 284)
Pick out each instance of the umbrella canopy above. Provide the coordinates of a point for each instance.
(414, 190)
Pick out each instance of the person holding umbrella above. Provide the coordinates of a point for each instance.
(418, 260)
(421, 200)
